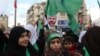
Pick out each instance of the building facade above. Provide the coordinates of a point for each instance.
(36, 10)
(84, 18)
(3, 21)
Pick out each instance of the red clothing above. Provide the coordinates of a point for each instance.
(72, 51)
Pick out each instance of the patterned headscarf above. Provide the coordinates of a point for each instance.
(48, 51)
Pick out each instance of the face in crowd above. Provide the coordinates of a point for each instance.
(68, 42)
(54, 42)
(19, 37)
(68, 45)
(23, 39)
(52, 21)
(55, 45)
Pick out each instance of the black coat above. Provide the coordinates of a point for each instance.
(3, 43)
(91, 40)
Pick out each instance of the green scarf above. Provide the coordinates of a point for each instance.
(86, 52)
(52, 35)
(27, 52)
(36, 46)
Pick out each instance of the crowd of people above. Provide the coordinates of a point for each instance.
(45, 40)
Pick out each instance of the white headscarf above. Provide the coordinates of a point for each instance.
(33, 32)
(81, 35)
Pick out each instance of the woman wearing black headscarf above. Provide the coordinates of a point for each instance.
(3, 43)
(18, 42)
(91, 40)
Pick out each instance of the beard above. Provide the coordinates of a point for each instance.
(51, 23)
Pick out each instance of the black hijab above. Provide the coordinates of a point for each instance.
(14, 49)
(3, 42)
(69, 32)
(91, 40)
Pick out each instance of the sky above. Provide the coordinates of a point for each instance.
(93, 9)
(7, 7)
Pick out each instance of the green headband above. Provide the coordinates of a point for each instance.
(52, 36)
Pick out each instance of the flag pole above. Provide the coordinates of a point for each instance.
(15, 12)
(15, 16)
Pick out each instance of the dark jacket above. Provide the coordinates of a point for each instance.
(91, 40)
(3, 43)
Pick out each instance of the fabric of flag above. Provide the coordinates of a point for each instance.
(53, 6)
(98, 3)
(71, 7)
(40, 25)
(73, 24)
(15, 3)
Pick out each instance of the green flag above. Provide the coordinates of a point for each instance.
(40, 25)
(73, 24)
(98, 3)
(71, 7)
(53, 6)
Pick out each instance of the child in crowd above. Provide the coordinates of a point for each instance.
(70, 45)
(54, 45)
